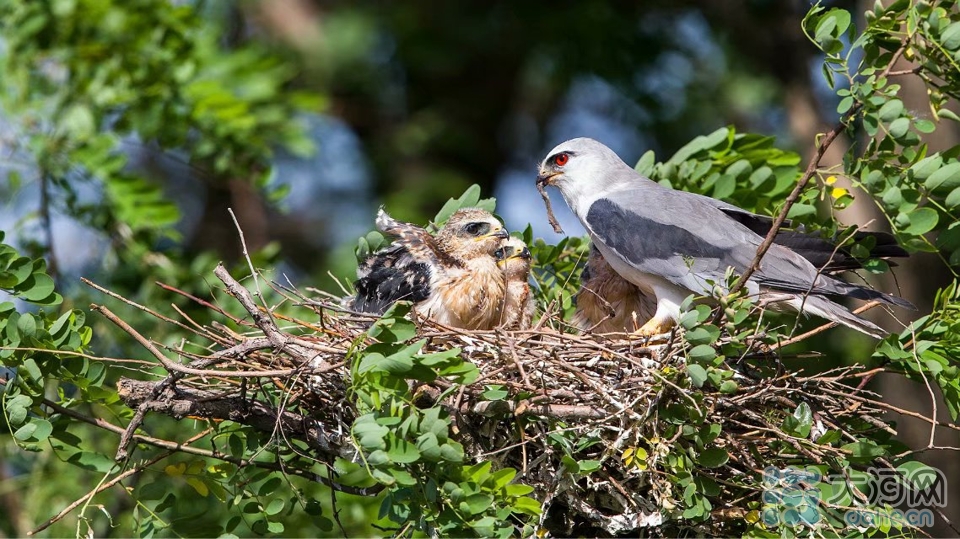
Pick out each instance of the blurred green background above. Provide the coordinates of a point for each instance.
(362, 103)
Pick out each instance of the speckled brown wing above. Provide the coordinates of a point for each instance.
(402, 271)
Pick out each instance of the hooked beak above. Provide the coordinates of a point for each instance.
(501, 234)
(524, 254)
(545, 178)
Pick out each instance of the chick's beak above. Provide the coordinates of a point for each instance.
(522, 253)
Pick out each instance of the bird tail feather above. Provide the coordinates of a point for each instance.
(824, 308)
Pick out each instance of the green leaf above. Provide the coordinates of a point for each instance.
(864, 450)
(925, 126)
(269, 486)
(587, 466)
(899, 127)
(27, 326)
(947, 176)
(645, 166)
(698, 375)
(950, 37)
(527, 506)
(704, 335)
(801, 210)
(429, 446)
(78, 121)
(401, 451)
(922, 220)
(891, 110)
(702, 353)
(17, 408)
(953, 199)
(452, 451)
(918, 474)
(33, 370)
(378, 458)
(725, 186)
(93, 461)
(370, 434)
(274, 507)
(923, 168)
(728, 387)
(948, 114)
(501, 478)
(495, 393)
(829, 437)
(713, 457)
(37, 430)
(392, 327)
(476, 503)
(709, 433)
(518, 489)
(479, 472)
(37, 288)
(699, 144)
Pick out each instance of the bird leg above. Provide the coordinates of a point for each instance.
(656, 326)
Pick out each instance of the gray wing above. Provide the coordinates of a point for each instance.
(665, 235)
(759, 224)
(689, 242)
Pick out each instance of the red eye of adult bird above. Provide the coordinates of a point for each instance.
(561, 159)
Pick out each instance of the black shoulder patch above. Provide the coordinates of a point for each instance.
(758, 224)
(638, 238)
(387, 279)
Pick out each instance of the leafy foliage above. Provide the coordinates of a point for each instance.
(109, 73)
(39, 350)
(149, 70)
(916, 190)
(431, 486)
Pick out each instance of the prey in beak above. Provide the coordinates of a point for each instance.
(545, 178)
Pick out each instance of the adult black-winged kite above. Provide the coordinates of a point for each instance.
(671, 244)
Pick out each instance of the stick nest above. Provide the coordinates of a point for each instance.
(593, 424)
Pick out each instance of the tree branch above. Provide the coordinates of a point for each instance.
(180, 403)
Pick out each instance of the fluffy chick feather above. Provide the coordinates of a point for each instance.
(518, 305)
(452, 277)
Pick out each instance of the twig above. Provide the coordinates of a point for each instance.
(246, 255)
(199, 301)
(104, 486)
(172, 366)
(820, 329)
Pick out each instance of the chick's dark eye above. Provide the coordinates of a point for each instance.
(498, 254)
(476, 229)
(561, 159)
